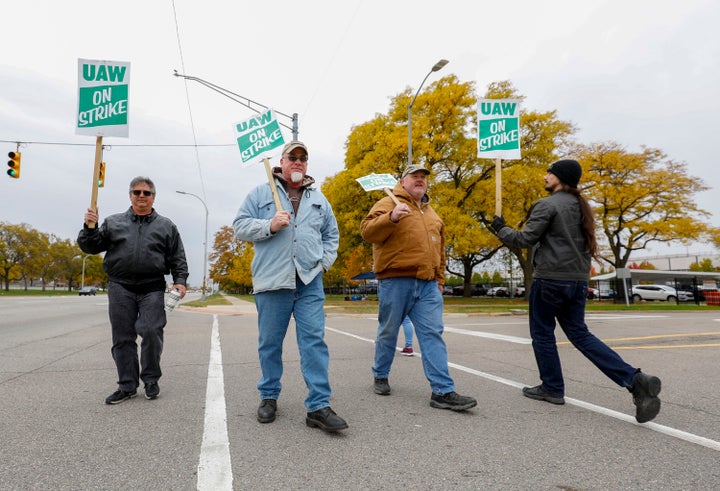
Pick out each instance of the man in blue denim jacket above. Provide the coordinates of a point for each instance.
(293, 248)
(561, 231)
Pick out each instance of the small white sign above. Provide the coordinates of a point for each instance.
(373, 182)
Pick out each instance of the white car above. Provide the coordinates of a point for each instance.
(659, 292)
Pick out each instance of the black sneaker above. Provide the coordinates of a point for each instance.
(452, 401)
(539, 394)
(326, 420)
(119, 396)
(382, 387)
(266, 411)
(645, 392)
(152, 390)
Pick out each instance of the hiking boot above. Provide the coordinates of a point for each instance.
(119, 396)
(326, 420)
(407, 351)
(539, 394)
(266, 411)
(645, 390)
(452, 401)
(382, 387)
(152, 390)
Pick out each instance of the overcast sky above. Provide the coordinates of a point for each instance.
(636, 72)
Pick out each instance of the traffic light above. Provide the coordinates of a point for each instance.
(14, 164)
(101, 175)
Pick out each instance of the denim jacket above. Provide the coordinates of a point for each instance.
(307, 247)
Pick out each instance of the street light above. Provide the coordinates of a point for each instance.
(249, 103)
(202, 298)
(437, 66)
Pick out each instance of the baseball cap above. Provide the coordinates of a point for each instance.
(414, 168)
(289, 147)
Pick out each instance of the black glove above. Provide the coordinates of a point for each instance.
(498, 223)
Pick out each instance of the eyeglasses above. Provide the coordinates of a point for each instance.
(144, 192)
(293, 158)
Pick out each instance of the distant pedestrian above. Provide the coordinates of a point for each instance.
(407, 326)
(294, 247)
(409, 257)
(561, 231)
(140, 247)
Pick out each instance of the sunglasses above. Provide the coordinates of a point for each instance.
(293, 158)
(144, 192)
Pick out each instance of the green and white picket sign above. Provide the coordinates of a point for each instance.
(258, 136)
(373, 182)
(103, 98)
(499, 129)
(499, 136)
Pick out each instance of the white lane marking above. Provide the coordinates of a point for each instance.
(215, 469)
(490, 335)
(666, 430)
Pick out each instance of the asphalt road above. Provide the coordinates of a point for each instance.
(201, 433)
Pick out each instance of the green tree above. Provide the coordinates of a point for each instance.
(640, 198)
(11, 253)
(705, 265)
(230, 261)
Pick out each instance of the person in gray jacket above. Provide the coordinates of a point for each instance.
(140, 247)
(561, 231)
(293, 247)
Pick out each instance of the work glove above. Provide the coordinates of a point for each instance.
(498, 223)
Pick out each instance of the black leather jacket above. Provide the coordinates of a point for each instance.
(553, 229)
(140, 249)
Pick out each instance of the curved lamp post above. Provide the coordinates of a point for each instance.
(202, 298)
(437, 66)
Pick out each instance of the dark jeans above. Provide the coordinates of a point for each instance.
(133, 315)
(565, 301)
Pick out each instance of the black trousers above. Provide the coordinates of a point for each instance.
(132, 315)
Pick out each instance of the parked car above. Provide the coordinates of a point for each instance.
(448, 290)
(607, 293)
(498, 291)
(87, 290)
(593, 293)
(659, 292)
(477, 290)
(503, 291)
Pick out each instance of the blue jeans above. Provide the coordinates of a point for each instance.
(305, 303)
(565, 301)
(421, 301)
(408, 331)
(132, 314)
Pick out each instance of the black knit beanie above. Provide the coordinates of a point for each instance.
(568, 171)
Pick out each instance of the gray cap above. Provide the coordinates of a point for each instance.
(289, 147)
(414, 168)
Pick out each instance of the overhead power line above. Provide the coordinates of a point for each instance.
(28, 142)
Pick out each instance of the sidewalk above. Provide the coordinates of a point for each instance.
(237, 307)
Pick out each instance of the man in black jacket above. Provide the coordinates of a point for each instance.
(561, 231)
(141, 248)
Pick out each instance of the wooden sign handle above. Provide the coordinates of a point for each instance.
(271, 182)
(389, 193)
(498, 187)
(96, 176)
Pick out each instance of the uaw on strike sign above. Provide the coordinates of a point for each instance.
(258, 136)
(499, 129)
(103, 98)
